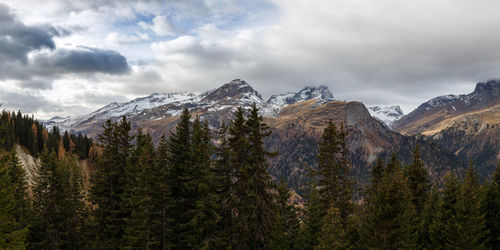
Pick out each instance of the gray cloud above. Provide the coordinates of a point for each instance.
(18, 40)
(36, 84)
(28, 102)
(83, 60)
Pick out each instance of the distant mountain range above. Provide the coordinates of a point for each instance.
(297, 121)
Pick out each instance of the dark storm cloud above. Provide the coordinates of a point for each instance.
(84, 60)
(18, 40)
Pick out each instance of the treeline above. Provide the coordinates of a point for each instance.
(200, 189)
(30, 133)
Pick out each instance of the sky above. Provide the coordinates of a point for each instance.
(70, 57)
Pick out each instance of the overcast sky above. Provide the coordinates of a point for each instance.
(69, 57)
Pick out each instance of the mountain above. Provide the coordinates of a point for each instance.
(443, 111)
(321, 94)
(297, 121)
(387, 114)
(467, 125)
(215, 105)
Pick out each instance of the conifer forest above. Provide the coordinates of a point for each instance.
(200, 189)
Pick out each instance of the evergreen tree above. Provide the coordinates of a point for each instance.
(254, 189)
(109, 183)
(58, 205)
(224, 180)
(334, 184)
(469, 218)
(139, 196)
(314, 214)
(443, 227)
(332, 231)
(417, 180)
(162, 226)
(389, 221)
(203, 217)
(285, 230)
(490, 207)
(13, 232)
(429, 211)
(179, 177)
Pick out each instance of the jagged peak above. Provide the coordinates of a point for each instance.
(488, 85)
(231, 89)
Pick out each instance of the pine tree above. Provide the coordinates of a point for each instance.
(255, 210)
(469, 218)
(13, 232)
(203, 217)
(285, 230)
(179, 177)
(58, 205)
(139, 196)
(314, 214)
(490, 207)
(224, 180)
(429, 211)
(162, 226)
(443, 227)
(389, 221)
(417, 179)
(334, 183)
(332, 231)
(109, 183)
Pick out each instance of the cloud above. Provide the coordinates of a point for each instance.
(31, 102)
(116, 39)
(162, 26)
(17, 40)
(36, 84)
(30, 51)
(83, 60)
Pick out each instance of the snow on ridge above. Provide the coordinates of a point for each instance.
(387, 114)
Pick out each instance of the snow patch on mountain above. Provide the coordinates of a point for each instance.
(386, 114)
(232, 95)
(321, 94)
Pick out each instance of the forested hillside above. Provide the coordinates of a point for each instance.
(200, 189)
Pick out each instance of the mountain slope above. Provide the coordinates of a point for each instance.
(441, 112)
(467, 125)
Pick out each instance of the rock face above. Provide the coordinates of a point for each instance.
(467, 125)
(386, 114)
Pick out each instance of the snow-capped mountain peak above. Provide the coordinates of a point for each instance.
(321, 94)
(386, 114)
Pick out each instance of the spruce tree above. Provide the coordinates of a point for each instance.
(285, 230)
(334, 183)
(58, 205)
(203, 216)
(254, 189)
(163, 225)
(469, 217)
(224, 180)
(418, 181)
(13, 232)
(109, 183)
(490, 207)
(443, 227)
(179, 177)
(313, 222)
(389, 221)
(139, 196)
